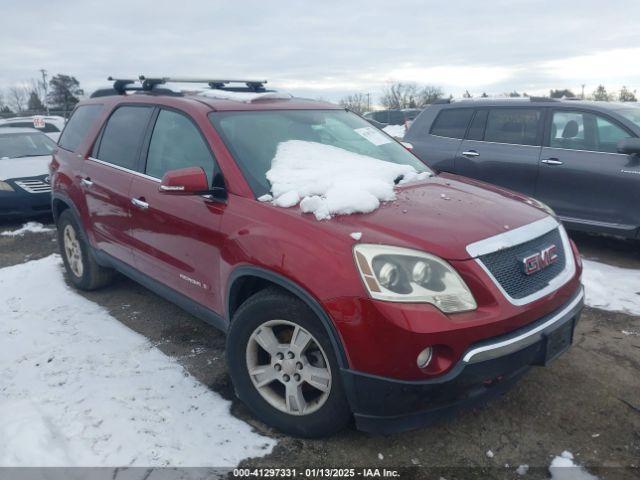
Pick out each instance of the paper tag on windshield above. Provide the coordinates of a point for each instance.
(373, 135)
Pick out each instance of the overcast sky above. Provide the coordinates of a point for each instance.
(327, 48)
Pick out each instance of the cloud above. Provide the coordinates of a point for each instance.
(329, 48)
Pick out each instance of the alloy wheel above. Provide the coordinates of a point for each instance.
(73, 250)
(288, 367)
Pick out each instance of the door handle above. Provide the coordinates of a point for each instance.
(140, 203)
(86, 182)
(471, 153)
(552, 161)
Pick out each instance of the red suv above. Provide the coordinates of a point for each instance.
(436, 300)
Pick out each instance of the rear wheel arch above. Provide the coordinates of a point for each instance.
(246, 281)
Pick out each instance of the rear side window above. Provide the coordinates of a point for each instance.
(176, 143)
(452, 123)
(78, 125)
(123, 135)
(518, 126)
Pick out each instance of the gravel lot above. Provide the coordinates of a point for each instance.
(587, 402)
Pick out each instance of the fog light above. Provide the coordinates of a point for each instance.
(424, 357)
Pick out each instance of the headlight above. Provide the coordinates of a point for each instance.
(5, 187)
(399, 274)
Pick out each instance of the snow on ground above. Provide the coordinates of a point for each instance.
(327, 180)
(31, 227)
(397, 131)
(563, 468)
(611, 288)
(78, 388)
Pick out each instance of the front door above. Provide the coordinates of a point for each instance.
(503, 147)
(582, 177)
(106, 179)
(177, 237)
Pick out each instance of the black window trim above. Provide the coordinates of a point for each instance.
(66, 124)
(216, 175)
(95, 148)
(546, 141)
(466, 129)
(477, 111)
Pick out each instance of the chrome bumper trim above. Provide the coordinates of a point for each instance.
(516, 237)
(505, 347)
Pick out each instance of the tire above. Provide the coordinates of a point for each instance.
(324, 406)
(81, 267)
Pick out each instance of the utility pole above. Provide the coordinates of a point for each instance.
(583, 91)
(368, 102)
(44, 85)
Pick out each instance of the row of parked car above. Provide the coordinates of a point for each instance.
(393, 318)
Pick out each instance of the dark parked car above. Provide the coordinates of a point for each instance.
(580, 158)
(25, 154)
(438, 307)
(394, 117)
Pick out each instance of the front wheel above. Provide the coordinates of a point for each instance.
(283, 366)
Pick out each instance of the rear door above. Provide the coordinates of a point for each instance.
(107, 176)
(177, 237)
(503, 147)
(582, 177)
(436, 143)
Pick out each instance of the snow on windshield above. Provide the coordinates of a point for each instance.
(327, 180)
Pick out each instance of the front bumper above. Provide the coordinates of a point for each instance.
(489, 368)
(21, 203)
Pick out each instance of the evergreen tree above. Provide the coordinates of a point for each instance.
(627, 95)
(65, 91)
(600, 94)
(34, 103)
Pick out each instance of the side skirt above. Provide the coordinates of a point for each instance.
(194, 308)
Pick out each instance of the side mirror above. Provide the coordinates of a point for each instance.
(185, 181)
(630, 146)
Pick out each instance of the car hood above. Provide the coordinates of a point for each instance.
(441, 215)
(24, 167)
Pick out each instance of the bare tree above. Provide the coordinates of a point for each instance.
(600, 94)
(18, 96)
(358, 102)
(400, 95)
(627, 95)
(429, 94)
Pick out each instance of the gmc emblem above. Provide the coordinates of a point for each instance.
(540, 260)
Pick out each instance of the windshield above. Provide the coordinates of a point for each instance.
(632, 114)
(253, 138)
(15, 145)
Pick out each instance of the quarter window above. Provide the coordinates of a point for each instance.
(516, 126)
(176, 143)
(78, 126)
(123, 135)
(452, 123)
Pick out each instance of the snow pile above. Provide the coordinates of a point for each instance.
(522, 469)
(327, 180)
(29, 227)
(563, 468)
(78, 388)
(246, 97)
(396, 131)
(611, 288)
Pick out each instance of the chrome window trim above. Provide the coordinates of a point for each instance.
(516, 237)
(124, 169)
(484, 141)
(589, 151)
(498, 349)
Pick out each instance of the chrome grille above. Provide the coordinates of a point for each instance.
(506, 265)
(34, 186)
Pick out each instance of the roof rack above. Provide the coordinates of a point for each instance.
(151, 84)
